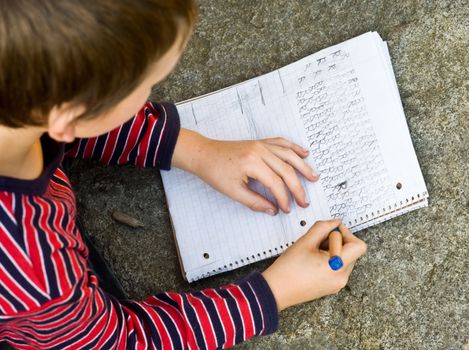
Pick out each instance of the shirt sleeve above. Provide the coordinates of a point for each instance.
(146, 140)
(88, 318)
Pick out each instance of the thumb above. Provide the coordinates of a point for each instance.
(319, 232)
(255, 201)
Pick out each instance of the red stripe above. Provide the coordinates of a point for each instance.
(16, 289)
(143, 146)
(173, 313)
(163, 129)
(191, 341)
(89, 148)
(225, 317)
(6, 306)
(244, 309)
(73, 152)
(160, 326)
(55, 245)
(110, 145)
(131, 140)
(204, 319)
(35, 252)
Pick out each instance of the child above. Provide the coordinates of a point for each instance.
(76, 72)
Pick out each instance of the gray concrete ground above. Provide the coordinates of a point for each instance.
(411, 289)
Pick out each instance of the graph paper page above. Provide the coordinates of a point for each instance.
(343, 105)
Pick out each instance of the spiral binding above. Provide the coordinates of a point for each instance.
(357, 223)
(396, 207)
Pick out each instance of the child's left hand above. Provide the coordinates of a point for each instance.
(227, 165)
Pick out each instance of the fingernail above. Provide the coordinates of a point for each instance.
(270, 211)
(288, 209)
(305, 150)
(306, 200)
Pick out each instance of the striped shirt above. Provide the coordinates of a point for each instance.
(50, 298)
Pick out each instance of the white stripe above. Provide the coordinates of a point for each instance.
(260, 308)
(170, 317)
(94, 146)
(231, 318)
(141, 330)
(5, 301)
(136, 140)
(161, 134)
(149, 143)
(250, 310)
(79, 322)
(115, 144)
(183, 311)
(12, 241)
(19, 286)
(162, 322)
(49, 230)
(126, 138)
(210, 319)
(240, 314)
(12, 218)
(35, 237)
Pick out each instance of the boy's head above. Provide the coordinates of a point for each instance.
(65, 62)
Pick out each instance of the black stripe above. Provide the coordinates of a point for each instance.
(148, 323)
(64, 252)
(13, 229)
(11, 298)
(81, 149)
(214, 317)
(19, 216)
(255, 309)
(18, 276)
(171, 327)
(99, 146)
(235, 314)
(141, 135)
(45, 249)
(120, 142)
(192, 318)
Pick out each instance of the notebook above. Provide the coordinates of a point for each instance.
(341, 103)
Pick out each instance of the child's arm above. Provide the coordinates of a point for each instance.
(65, 308)
(146, 140)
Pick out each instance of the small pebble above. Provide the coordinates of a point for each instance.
(126, 219)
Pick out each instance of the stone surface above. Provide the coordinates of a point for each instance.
(411, 290)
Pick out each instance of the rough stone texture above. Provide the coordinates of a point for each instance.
(411, 289)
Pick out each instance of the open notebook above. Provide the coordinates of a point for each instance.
(341, 103)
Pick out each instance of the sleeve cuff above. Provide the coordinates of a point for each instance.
(170, 134)
(266, 300)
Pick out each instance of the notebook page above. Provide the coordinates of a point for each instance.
(326, 102)
(220, 234)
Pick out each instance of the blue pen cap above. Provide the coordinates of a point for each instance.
(336, 263)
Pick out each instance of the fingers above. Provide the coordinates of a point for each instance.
(265, 175)
(319, 232)
(289, 176)
(254, 201)
(353, 246)
(289, 156)
(282, 142)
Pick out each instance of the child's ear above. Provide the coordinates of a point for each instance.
(62, 120)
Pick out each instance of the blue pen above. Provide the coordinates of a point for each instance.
(335, 249)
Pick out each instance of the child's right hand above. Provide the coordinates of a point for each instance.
(302, 273)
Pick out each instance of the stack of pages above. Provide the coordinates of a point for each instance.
(341, 103)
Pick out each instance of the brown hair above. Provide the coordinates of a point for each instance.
(93, 52)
